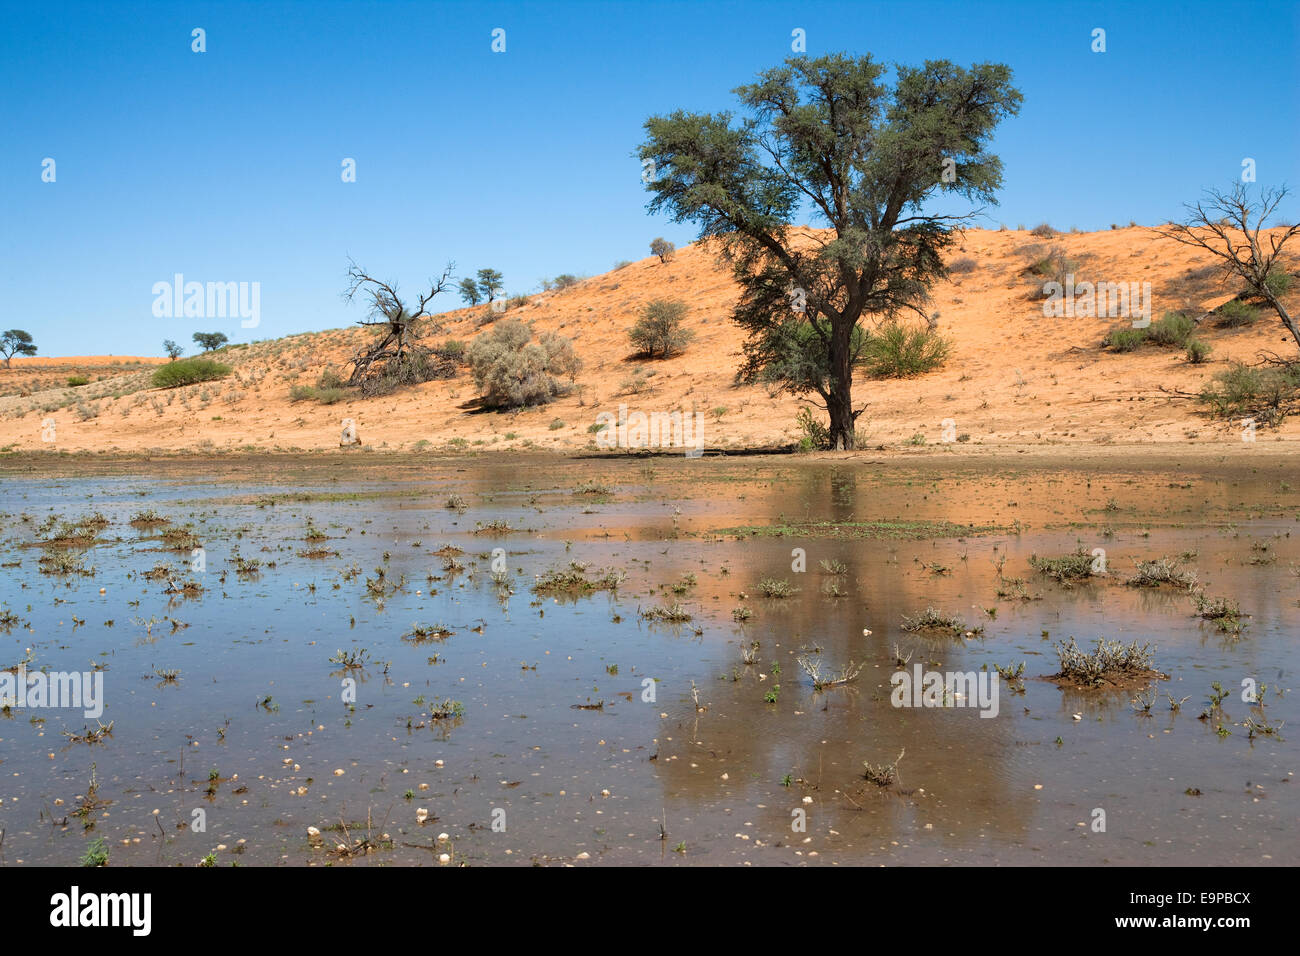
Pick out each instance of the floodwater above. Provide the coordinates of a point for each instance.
(589, 733)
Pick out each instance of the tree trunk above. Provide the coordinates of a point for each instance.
(1286, 317)
(839, 403)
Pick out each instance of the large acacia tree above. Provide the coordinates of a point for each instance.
(827, 139)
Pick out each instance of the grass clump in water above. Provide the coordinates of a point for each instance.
(1110, 662)
(574, 579)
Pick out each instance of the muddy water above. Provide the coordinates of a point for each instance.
(762, 769)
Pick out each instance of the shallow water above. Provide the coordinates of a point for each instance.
(528, 777)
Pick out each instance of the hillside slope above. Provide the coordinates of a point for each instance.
(1015, 377)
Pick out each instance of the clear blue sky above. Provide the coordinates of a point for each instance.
(225, 165)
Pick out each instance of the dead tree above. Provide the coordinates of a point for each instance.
(1221, 224)
(387, 310)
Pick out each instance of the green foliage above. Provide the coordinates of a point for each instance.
(96, 854)
(1126, 339)
(1235, 314)
(188, 372)
(1198, 351)
(489, 284)
(1173, 328)
(659, 329)
(16, 342)
(76, 381)
(511, 372)
(565, 280)
(410, 368)
(1278, 282)
(815, 435)
(662, 248)
(173, 350)
(895, 351)
(469, 292)
(1267, 393)
(453, 350)
(868, 171)
(210, 340)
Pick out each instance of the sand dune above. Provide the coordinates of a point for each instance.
(1015, 376)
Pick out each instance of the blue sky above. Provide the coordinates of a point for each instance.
(225, 165)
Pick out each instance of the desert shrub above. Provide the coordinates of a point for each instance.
(1268, 393)
(1173, 328)
(622, 264)
(1278, 282)
(329, 389)
(1234, 314)
(188, 372)
(1043, 230)
(76, 381)
(1126, 339)
(659, 329)
(662, 248)
(565, 281)
(815, 434)
(1070, 567)
(411, 368)
(1198, 351)
(515, 301)
(1055, 266)
(1108, 662)
(511, 372)
(453, 350)
(964, 264)
(895, 351)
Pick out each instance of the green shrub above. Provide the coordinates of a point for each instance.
(511, 372)
(411, 368)
(1043, 230)
(1278, 282)
(895, 351)
(188, 372)
(659, 329)
(76, 381)
(1198, 351)
(1126, 340)
(1268, 393)
(453, 350)
(1056, 266)
(330, 379)
(1173, 328)
(815, 435)
(1234, 314)
(516, 301)
(565, 280)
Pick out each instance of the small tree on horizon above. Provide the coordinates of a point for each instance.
(173, 350)
(210, 340)
(826, 137)
(469, 293)
(659, 329)
(16, 342)
(662, 248)
(490, 283)
(1221, 224)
